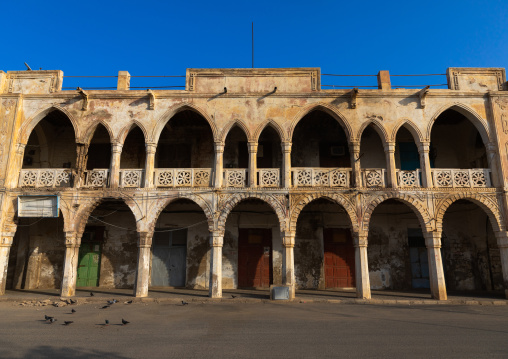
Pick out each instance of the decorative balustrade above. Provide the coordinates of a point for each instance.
(183, 177)
(268, 177)
(326, 177)
(235, 177)
(45, 177)
(451, 177)
(131, 177)
(374, 177)
(96, 177)
(408, 178)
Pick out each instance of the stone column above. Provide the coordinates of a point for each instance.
(253, 152)
(502, 244)
(116, 153)
(143, 264)
(13, 172)
(70, 269)
(391, 170)
(286, 163)
(423, 149)
(361, 266)
(288, 262)
(492, 161)
(436, 273)
(150, 164)
(215, 285)
(81, 161)
(219, 164)
(354, 152)
(6, 240)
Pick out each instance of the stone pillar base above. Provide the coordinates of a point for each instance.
(215, 284)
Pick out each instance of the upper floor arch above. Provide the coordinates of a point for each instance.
(378, 127)
(229, 127)
(411, 127)
(272, 124)
(29, 126)
(124, 132)
(91, 130)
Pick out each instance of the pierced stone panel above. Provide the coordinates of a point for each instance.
(131, 177)
(235, 177)
(321, 177)
(96, 178)
(269, 177)
(374, 177)
(183, 177)
(45, 177)
(461, 178)
(408, 178)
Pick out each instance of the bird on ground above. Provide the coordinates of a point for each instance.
(129, 302)
(105, 307)
(106, 322)
(73, 311)
(110, 302)
(233, 296)
(91, 294)
(73, 301)
(184, 303)
(68, 322)
(124, 322)
(46, 317)
(52, 320)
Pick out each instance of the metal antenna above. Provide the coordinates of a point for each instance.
(253, 44)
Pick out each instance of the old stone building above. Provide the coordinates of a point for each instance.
(254, 177)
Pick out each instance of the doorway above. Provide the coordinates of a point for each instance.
(339, 256)
(255, 258)
(89, 258)
(419, 259)
(169, 258)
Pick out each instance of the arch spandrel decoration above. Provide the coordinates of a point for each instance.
(378, 127)
(90, 132)
(412, 128)
(480, 124)
(228, 203)
(158, 206)
(326, 108)
(172, 111)
(426, 220)
(28, 127)
(124, 132)
(304, 200)
(489, 204)
(272, 124)
(229, 127)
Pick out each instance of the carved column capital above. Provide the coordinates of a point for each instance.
(218, 146)
(354, 146)
(389, 147)
(116, 147)
(360, 239)
(151, 148)
(424, 147)
(491, 148)
(286, 146)
(145, 239)
(432, 239)
(288, 239)
(20, 148)
(502, 239)
(252, 146)
(6, 239)
(71, 239)
(216, 239)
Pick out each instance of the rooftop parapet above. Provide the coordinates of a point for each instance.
(31, 82)
(476, 79)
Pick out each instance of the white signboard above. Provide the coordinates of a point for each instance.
(38, 206)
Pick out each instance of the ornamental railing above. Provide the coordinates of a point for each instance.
(96, 177)
(408, 178)
(374, 177)
(183, 177)
(131, 177)
(452, 177)
(321, 177)
(45, 177)
(235, 177)
(268, 177)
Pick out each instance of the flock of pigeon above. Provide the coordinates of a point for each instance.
(51, 320)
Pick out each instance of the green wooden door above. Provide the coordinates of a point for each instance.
(89, 260)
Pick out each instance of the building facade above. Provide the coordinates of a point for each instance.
(254, 177)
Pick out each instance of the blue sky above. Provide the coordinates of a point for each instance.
(165, 38)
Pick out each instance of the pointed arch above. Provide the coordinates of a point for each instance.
(480, 124)
(159, 205)
(419, 208)
(411, 127)
(28, 127)
(124, 132)
(378, 127)
(342, 201)
(90, 132)
(490, 205)
(330, 110)
(269, 123)
(277, 202)
(172, 111)
(230, 126)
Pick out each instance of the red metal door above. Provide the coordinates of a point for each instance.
(255, 258)
(339, 258)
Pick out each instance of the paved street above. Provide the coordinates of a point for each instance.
(254, 330)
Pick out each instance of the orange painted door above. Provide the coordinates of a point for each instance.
(339, 258)
(255, 258)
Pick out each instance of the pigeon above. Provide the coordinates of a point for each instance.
(52, 320)
(91, 294)
(73, 311)
(68, 322)
(107, 322)
(233, 296)
(184, 303)
(110, 302)
(46, 317)
(124, 322)
(129, 302)
(105, 307)
(73, 301)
